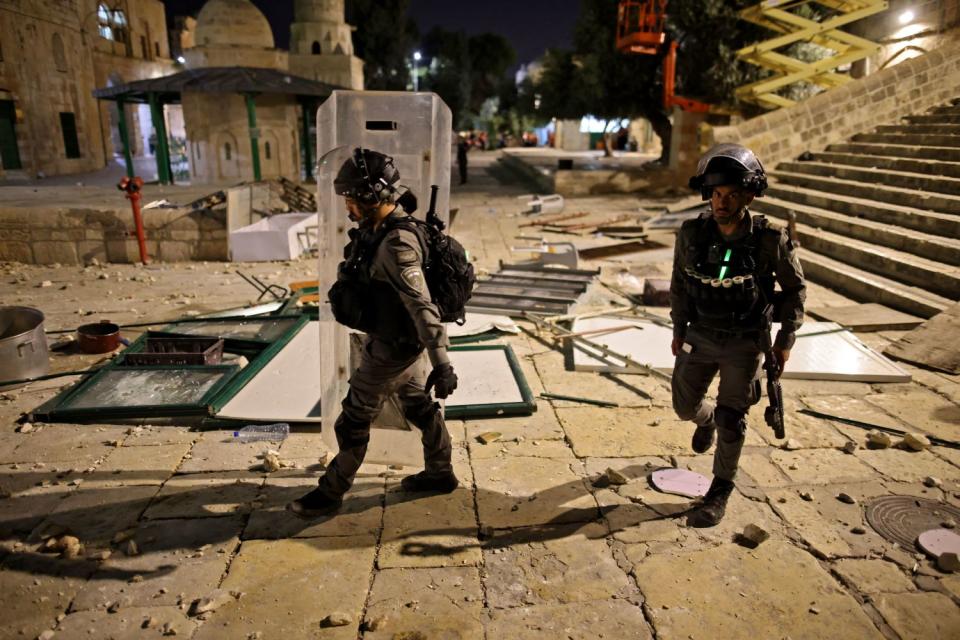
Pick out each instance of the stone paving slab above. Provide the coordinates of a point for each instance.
(609, 433)
(302, 445)
(821, 466)
(911, 466)
(531, 448)
(729, 591)
(541, 425)
(95, 514)
(921, 409)
(426, 603)
(127, 623)
(874, 576)
(422, 530)
(920, 616)
(515, 491)
(205, 495)
(756, 469)
(140, 465)
(855, 408)
(558, 378)
(291, 585)
(34, 590)
(179, 560)
(807, 431)
(575, 621)
(361, 514)
(570, 566)
(78, 445)
(149, 435)
(218, 451)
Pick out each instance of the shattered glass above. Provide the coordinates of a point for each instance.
(146, 387)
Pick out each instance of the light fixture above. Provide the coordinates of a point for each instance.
(417, 56)
(906, 17)
(181, 59)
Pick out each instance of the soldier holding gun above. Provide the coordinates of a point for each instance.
(726, 266)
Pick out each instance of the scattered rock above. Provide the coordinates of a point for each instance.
(858, 530)
(25, 428)
(930, 481)
(131, 548)
(255, 635)
(45, 284)
(879, 439)
(949, 523)
(104, 555)
(815, 611)
(214, 601)
(325, 458)
(915, 442)
(337, 619)
(150, 623)
(806, 495)
(377, 624)
(755, 534)
(601, 481)
(948, 562)
(396, 467)
(271, 462)
(791, 445)
(846, 498)
(113, 607)
(850, 447)
(122, 536)
(615, 477)
(488, 437)
(46, 635)
(168, 630)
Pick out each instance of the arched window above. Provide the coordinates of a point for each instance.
(59, 56)
(104, 21)
(315, 49)
(227, 152)
(338, 50)
(112, 23)
(266, 149)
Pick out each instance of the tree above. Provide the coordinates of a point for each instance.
(383, 41)
(596, 79)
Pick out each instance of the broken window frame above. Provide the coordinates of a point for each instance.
(526, 407)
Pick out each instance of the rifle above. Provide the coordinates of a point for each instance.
(773, 414)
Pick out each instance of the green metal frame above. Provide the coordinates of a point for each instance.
(260, 352)
(495, 410)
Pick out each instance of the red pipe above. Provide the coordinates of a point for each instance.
(131, 187)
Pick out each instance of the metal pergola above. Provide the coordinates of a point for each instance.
(246, 81)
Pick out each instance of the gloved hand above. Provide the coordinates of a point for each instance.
(442, 380)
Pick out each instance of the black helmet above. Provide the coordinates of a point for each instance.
(367, 177)
(729, 164)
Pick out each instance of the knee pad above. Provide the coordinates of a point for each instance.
(351, 433)
(731, 423)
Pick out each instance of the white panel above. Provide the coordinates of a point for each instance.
(824, 351)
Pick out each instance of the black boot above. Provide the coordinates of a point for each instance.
(315, 504)
(714, 504)
(421, 482)
(703, 438)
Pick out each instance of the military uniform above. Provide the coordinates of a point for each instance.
(401, 322)
(718, 290)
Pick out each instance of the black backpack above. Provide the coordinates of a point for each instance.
(446, 269)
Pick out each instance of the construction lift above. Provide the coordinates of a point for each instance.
(641, 30)
(781, 17)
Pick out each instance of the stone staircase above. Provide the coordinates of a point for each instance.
(878, 217)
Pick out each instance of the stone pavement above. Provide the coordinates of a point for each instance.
(183, 535)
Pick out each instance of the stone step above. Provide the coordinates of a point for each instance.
(923, 139)
(934, 118)
(948, 154)
(940, 202)
(929, 128)
(903, 179)
(946, 109)
(932, 247)
(868, 287)
(929, 222)
(935, 277)
(891, 163)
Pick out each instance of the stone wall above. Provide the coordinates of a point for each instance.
(910, 87)
(77, 236)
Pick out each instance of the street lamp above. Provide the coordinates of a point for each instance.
(416, 79)
(907, 17)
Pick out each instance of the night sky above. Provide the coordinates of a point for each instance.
(530, 25)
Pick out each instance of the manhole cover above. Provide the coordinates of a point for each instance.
(901, 519)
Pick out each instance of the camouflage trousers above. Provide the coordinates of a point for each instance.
(385, 368)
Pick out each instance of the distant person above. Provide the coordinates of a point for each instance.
(463, 147)
(622, 137)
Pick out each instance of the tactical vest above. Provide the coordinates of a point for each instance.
(364, 303)
(726, 284)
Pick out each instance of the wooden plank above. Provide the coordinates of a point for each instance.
(933, 344)
(867, 317)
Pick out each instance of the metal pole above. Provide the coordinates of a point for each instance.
(307, 150)
(254, 136)
(124, 137)
(163, 155)
(416, 80)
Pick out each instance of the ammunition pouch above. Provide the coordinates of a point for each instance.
(349, 301)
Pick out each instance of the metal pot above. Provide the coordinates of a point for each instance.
(99, 337)
(23, 345)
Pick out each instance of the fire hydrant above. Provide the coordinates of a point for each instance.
(131, 187)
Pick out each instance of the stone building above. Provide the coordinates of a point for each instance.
(53, 53)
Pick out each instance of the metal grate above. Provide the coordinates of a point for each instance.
(902, 519)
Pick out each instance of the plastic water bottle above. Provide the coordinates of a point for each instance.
(258, 432)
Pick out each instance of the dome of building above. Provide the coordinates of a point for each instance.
(232, 23)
